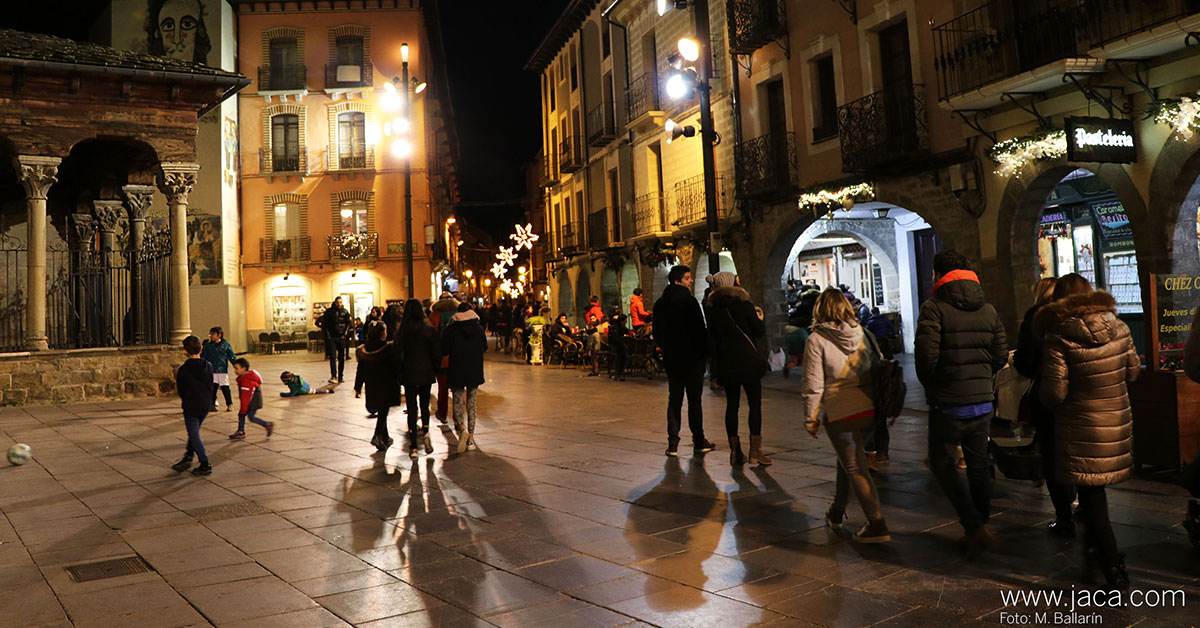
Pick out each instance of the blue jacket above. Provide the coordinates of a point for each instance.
(218, 354)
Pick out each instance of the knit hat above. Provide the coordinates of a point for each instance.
(723, 279)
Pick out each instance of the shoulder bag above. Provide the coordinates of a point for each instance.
(888, 389)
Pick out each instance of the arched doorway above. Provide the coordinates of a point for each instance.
(629, 281)
(583, 293)
(563, 288)
(610, 289)
(703, 270)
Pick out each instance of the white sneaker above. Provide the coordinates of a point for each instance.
(471, 444)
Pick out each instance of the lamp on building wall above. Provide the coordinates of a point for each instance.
(675, 130)
(882, 212)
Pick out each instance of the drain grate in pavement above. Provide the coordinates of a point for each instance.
(104, 569)
(227, 511)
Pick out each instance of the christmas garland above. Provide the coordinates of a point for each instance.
(1012, 155)
(835, 198)
(1181, 114)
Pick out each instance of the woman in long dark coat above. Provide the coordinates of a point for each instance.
(379, 366)
(464, 342)
(736, 329)
(422, 356)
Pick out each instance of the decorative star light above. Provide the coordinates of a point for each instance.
(498, 270)
(524, 237)
(506, 255)
(507, 286)
(1183, 116)
(1012, 155)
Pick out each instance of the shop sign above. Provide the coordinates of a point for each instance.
(1100, 139)
(400, 248)
(1054, 217)
(1113, 221)
(1175, 299)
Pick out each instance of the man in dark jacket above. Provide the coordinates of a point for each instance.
(680, 332)
(960, 345)
(336, 324)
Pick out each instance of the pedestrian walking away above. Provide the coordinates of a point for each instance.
(217, 352)
(380, 366)
(421, 358)
(193, 382)
(250, 395)
(736, 329)
(337, 325)
(681, 334)
(838, 359)
(1088, 360)
(440, 314)
(960, 345)
(464, 343)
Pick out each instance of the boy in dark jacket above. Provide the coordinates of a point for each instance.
(193, 381)
(960, 345)
(680, 332)
(617, 331)
(250, 393)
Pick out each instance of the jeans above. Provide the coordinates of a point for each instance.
(464, 404)
(849, 440)
(224, 389)
(337, 357)
(1093, 506)
(443, 397)
(692, 384)
(381, 428)
(194, 444)
(253, 419)
(878, 437)
(619, 352)
(1061, 495)
(972, 504)
(753, 400)
(416, 397)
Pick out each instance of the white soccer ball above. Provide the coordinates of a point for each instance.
(20, 454)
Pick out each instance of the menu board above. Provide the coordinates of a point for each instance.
(1173, 303)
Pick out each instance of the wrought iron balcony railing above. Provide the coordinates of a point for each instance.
(286, 162)
(766, 166)
(550, 170)
(598, 235)
(281, 77)
(1109, 20)
(570, 241)
(284, 249)
(570, 155)
(359, 158)
(602, 124)
(690, 207)
(755, 23)
(641, 97)
(648, 213)
(342, 76)
(353, 246)
(884, 129)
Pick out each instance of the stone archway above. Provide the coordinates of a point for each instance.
(629, 281)
(1174, 195)
(565, 295)
(583, 293)
(877, 243)
(610, 288)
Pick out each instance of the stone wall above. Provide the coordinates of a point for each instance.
(44, 377)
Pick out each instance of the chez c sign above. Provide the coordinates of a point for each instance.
(1101, 140)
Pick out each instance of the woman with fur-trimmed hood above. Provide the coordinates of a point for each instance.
(735, 329)
(1088, 360)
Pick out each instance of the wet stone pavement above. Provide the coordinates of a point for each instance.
(568, 515)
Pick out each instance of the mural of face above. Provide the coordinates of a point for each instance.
(178, 22)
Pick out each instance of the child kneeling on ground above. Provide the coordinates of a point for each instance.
(250, 392)
(297, 386)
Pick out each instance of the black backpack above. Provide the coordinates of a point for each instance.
(888, 389)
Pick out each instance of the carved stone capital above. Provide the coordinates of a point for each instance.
(37, 174)
(137, 200)
(85, 230)
(176, 181)
(108, 214)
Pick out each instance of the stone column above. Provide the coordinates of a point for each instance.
(176, 181)
(37, 174)
(108, 219)
(137, 202)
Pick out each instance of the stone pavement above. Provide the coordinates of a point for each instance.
(569, 515)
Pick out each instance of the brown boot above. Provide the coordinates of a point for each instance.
(756, 454)
(735, 451)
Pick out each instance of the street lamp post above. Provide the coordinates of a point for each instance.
(408, 236)
(708, 134)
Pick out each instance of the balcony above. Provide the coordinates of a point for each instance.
(649, 213)
(353, 246)
(1111, 20)
(690, 207)
(602, 124)
(765, 167)
(755, 23)
(641, 98)
(284, 162)
(349, 76)
(550, 170)
(286, 78)
(360, 158)
(570, 156)
(884, 131)
(570, 240)
(598, 234)
(283, 250)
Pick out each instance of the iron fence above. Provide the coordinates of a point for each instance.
(755, 23)
(602, 124)
(281, 77)
(341, 76)
(287, 162)
(690, 205)
(12, 294)
(641, 97)
(598, 235)
(648, 212)
(353, 246)
(570, 156)
(284, 249)
(360, 158)
(1109, 20)
(883, 129)
(766, 166)
(570, 240)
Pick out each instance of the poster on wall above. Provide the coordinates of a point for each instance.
(1174, 300)
(1114, 223)
(229, 145)
(204, 249)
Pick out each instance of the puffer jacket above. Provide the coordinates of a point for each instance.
(960, 343)
(1088, 360)
(837, 366)
(735, 331)
(638, 315)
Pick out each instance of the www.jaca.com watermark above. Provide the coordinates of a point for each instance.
(1079, 607)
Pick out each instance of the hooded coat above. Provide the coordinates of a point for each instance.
(960, 343)
(679, 331)
(735, 330)
(379, 367)
(464, 343)
(837, 367)
(1088, 360)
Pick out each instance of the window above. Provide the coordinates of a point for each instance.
(352, 140)
(349, 58)
(552, 91)
(825, 123)
(287, 231)
(285, 64)
(574, 71)
(285, 142)
(605, 39)
(354, 217)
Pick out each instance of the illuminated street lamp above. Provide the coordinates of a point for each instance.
(398, 95)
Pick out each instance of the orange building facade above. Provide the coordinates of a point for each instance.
(324, 138)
